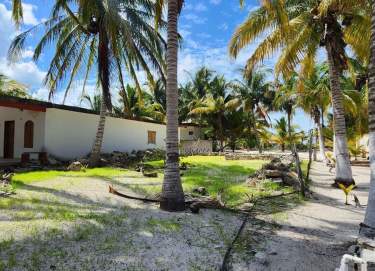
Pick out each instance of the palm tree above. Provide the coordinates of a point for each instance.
(94, 101)
(12, 87)
(368, 227)
(314, 99)
(111, 34)
(286, 99)
(172, 198)
(281, 137)
(298, 28)
(285, 134)
(216, 103)
(253, 94)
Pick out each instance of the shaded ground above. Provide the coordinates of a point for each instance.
(313, 236)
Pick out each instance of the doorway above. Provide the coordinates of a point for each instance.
(9, 139)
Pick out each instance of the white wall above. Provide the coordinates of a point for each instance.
(71, 134)
(20, 117)
(184, 133)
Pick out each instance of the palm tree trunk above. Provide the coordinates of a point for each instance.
(290, 129)
(221, 137)
(96, 148)
(368, 227)
(343, 167)
(172, 198)
(103, 70)
(318, 124)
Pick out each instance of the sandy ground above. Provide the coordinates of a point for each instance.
(315, 235)
(99, 231)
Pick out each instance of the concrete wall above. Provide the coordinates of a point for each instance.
(195, 133)
(20, 117)
(71, 134)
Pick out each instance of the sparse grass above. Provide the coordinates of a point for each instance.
(218, 176)
(53, 211)
(164, 225)
(38, 176)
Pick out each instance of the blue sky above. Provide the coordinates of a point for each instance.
(206, 27)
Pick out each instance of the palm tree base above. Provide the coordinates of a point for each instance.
(366, 231)
(345, 182)
(172, 205)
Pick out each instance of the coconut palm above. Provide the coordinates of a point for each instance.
(286, 99)
(110, 34)
(12, 87)
(217, 102)
(94, 101)
(172, 198)
(299, 28)
(368, 227)
(314, 99)
(254, 95)
(281, 137)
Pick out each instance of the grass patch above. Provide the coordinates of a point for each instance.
(39, 176)
(163, 225)
(217, 175)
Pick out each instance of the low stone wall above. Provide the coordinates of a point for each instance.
(252, 156)
(195, 147)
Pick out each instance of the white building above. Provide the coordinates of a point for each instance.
(66, 132)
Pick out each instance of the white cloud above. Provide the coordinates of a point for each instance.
(25, 71)
(197, 8)
(195, 18)
(29, 17)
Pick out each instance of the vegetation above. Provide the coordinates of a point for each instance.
(234, 113)
(12, 87)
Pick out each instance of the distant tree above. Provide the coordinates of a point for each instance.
(12, 87)
(253, 93)
(216, 103)
(94, 101)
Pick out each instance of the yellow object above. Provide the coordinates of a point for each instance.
(346, 190)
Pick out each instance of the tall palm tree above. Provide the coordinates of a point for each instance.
(314, 99)
(368, 227)
(215, 104)
(298, 28)
(253, 94)
(286, 99)
(172, 198)
(112, 34)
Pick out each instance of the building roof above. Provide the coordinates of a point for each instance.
(41, 106)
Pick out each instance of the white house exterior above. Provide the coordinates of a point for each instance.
(65, 132)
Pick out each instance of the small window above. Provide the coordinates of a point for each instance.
(29, 134)
(151, 137)
(191, 133)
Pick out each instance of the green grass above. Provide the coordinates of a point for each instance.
(38, 176)
(218, 176)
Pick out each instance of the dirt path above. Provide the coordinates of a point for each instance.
(315, 235)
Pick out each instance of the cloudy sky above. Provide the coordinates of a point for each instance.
(206, 27)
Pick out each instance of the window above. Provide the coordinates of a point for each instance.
(29, 134)
(191, 133)
(151, 137)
